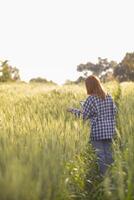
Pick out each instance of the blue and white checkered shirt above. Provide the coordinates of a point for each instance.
(101, 113)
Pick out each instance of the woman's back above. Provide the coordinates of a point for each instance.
(101, 113)
(105, 108)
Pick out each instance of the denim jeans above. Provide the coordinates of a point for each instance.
(104, 154)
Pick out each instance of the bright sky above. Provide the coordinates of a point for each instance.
(49, 38)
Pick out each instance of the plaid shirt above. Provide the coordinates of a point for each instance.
(101, 114)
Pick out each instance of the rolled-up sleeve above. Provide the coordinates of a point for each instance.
(76, 112)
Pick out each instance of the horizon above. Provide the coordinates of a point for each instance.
(48, 39)
(57, 82)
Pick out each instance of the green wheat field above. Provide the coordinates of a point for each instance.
(45, 153)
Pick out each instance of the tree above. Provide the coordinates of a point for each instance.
(8, 73)
(86, 67)
(103, 68)
(125, 70)
(15, 74)
(80, 80)
(40, 80)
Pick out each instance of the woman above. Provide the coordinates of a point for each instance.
(101, 110)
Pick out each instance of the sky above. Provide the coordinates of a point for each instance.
(49, 38)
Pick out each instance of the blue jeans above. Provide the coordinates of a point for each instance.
(104, 154)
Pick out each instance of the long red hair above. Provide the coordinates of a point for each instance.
(94, 87)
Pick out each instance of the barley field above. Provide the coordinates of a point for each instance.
(45, 153)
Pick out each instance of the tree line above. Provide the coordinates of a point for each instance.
(109, 70)
(9, 73)
(104, 69)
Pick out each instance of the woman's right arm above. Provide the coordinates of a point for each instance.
(87, 110)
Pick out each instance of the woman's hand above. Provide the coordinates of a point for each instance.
(69, 110)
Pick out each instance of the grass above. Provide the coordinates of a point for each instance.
(119, 185)
(44, 151)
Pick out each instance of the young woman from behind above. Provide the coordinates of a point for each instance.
(100, 109)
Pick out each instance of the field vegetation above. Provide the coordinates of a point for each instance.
(45, 153)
